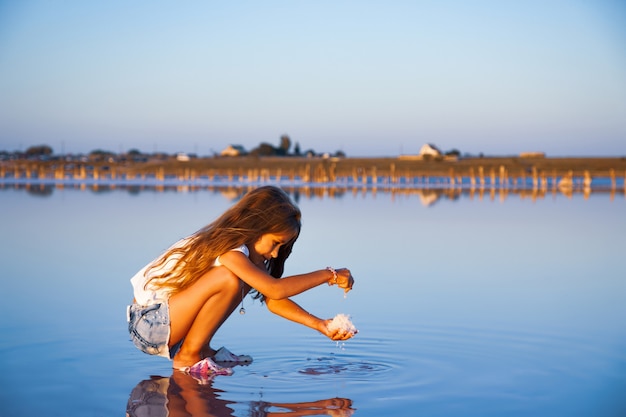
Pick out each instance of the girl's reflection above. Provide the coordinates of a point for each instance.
(182, 395)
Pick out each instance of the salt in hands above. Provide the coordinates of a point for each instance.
(340, 328)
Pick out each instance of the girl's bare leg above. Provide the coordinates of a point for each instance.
(197, 312)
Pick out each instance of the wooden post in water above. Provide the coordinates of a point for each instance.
(586, 184)
(566, 184)
(613, 182)
(586, 179)
(322, 175)
(504, 191)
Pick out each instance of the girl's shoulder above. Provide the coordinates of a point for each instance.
(243, 249)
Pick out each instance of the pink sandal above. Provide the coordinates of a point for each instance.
(206, 367)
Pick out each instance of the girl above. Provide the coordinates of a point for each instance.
(184, 296)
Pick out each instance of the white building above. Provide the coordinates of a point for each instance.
(233, 150)
(429, 149)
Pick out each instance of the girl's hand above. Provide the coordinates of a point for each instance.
(344, 279)
(336, 334)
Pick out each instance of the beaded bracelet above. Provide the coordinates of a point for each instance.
(334, 279)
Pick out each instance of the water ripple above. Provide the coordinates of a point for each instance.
(332, 365)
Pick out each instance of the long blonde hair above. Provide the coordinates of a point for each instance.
(263, 210)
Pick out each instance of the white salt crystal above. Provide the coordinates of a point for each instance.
(342, 322)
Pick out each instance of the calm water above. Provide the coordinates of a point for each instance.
(470, 306)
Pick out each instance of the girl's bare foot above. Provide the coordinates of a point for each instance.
(182, 360)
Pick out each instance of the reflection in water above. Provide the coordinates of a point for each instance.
(40, 190)
(428, 195)
(184, 395)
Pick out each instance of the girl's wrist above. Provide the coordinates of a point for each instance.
(333, 279)
(322, 327)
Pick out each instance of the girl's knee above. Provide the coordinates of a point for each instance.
(229, 282)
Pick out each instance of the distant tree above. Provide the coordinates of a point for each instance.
(340, 154)
(285, 144)
(264, 149)
(296, 149)
(40, 150)
(453, 152)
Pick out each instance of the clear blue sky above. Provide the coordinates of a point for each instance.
(368, 77)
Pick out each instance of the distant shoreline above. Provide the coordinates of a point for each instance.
(407, 171)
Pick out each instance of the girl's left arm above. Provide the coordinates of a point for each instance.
(288, 309)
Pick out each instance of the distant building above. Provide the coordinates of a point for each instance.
(182, 157)
(532, 155)
(430, 150)
(233, 150)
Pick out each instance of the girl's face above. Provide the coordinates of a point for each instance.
(268, 244)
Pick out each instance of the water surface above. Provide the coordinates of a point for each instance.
(469, 306)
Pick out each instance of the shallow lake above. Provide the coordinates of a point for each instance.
(471, 305)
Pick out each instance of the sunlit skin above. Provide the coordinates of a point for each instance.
(199, 310)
